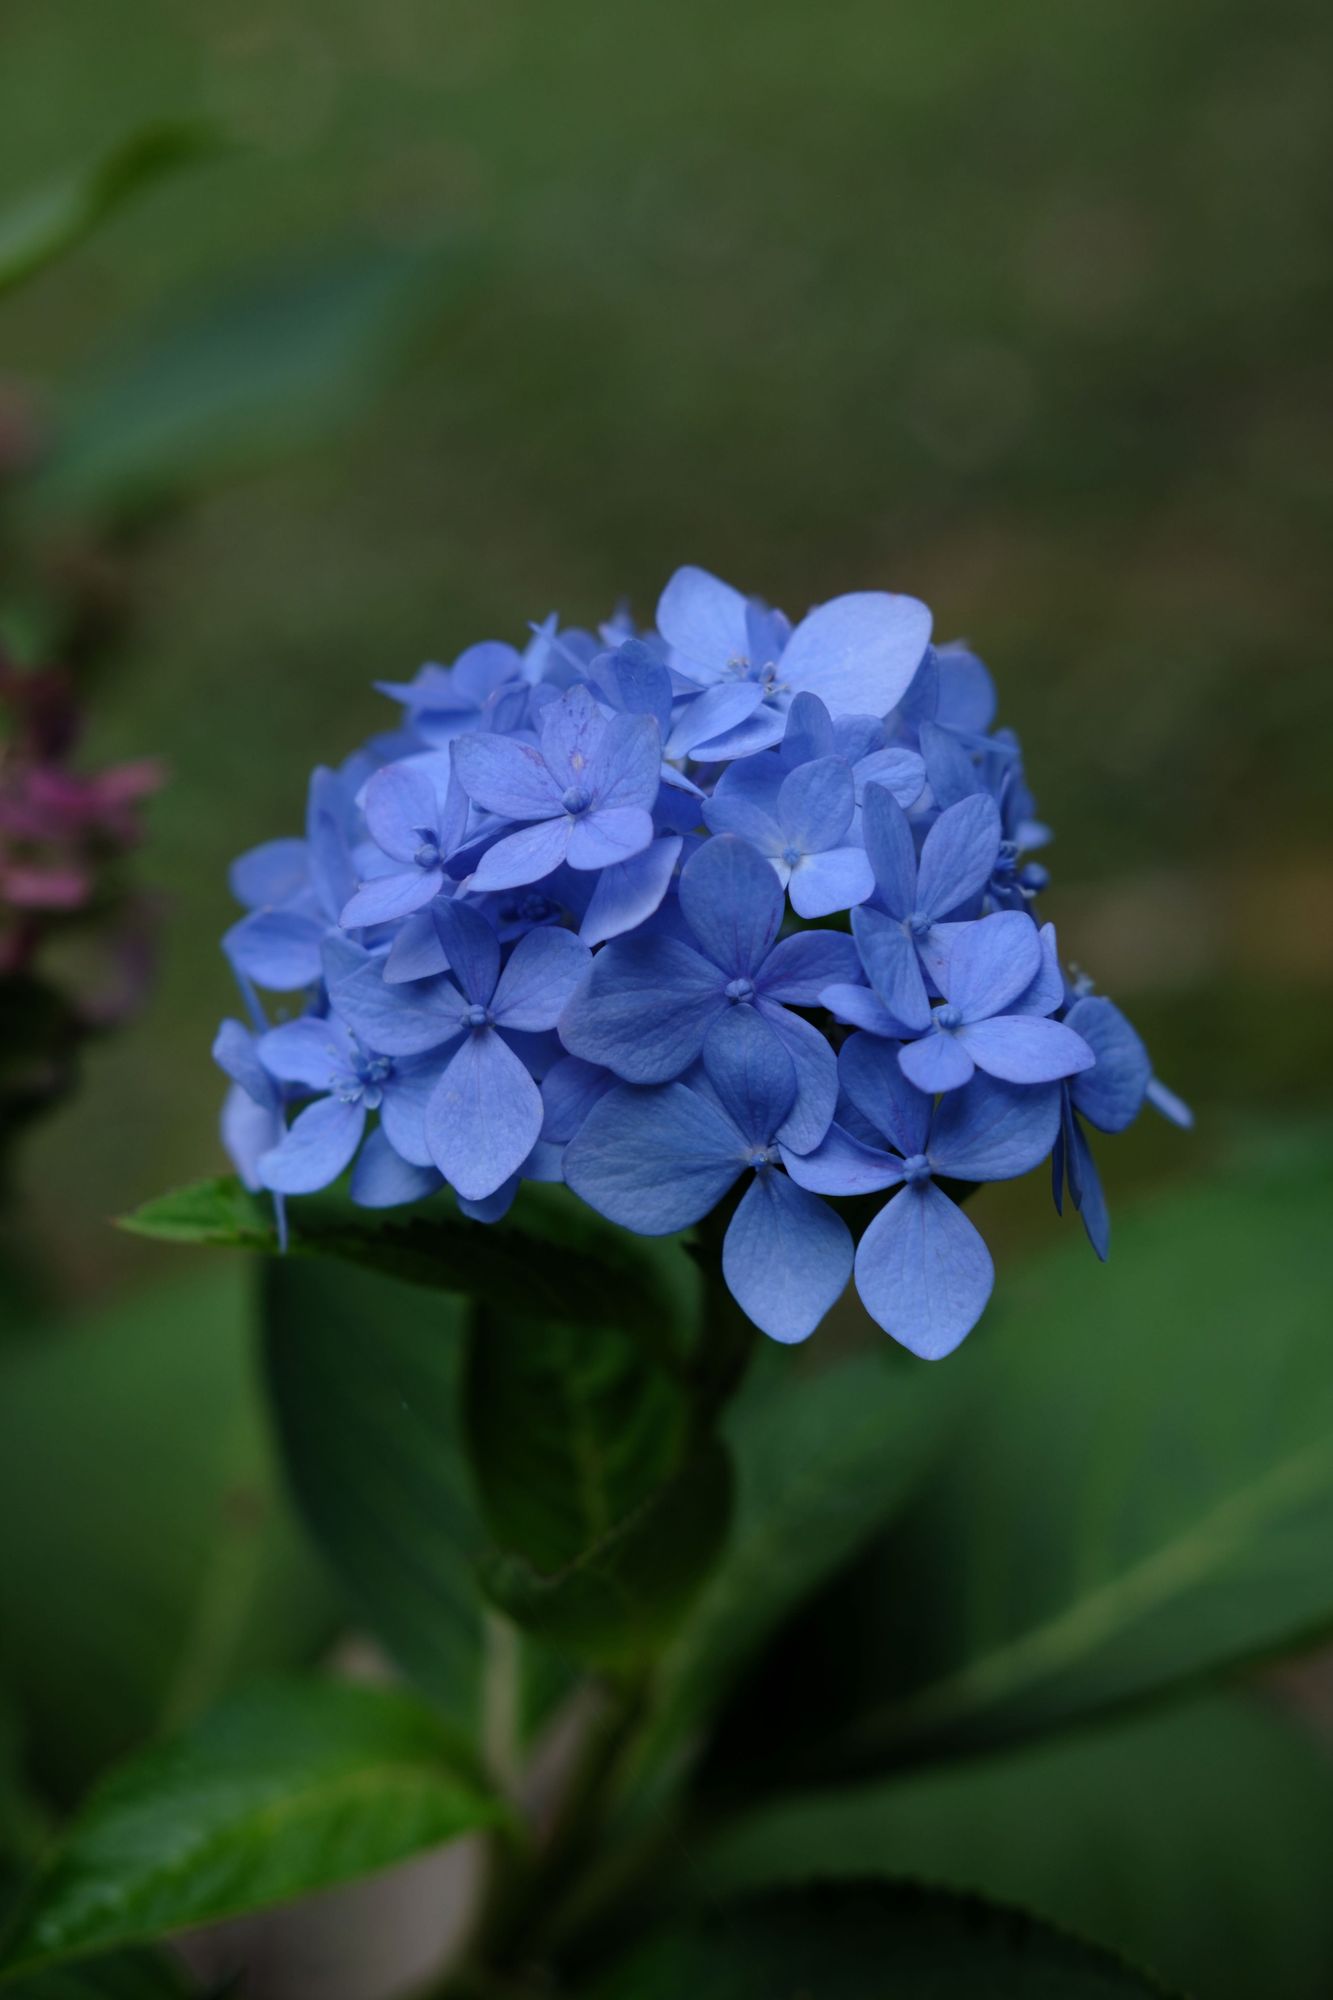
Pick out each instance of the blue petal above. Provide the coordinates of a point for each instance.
(872, 1078)
(858, 653)
(857, 1007)
(1111, 1095)
(271, 874)
(838, 879)
(277, 949)
(715, 712)
(626, 764)
(992, 1131)
(760, 731)
(635, 681)
(407, 1092)
(816, 1077)
(543, 971)
(416, 952)
(527, 856)
(808, 734)
(382, 1179)
(1169, 1105)
(799, 967)
(923, 1272)
(952, 773)
(630, 891)
(327, 821)
(395, 1020)
(248, 1131)
(653, 1160)
(991, 962)
(644, 1008)
(472, 949)
(733, 903)
(506, 777)
(966, 697)
(401, 809)
(752, 1072)
(958, 856)
(745, 801)
(388, 897)
(570, 731)
(608, 835)
(892, 965)
(892, 851)
(236, 1051)
(570, 1088)
(786, 1257)
(900, 772)
(841, 1164)
(483, 1117)
(815, 805)
(937, 1062)
(703, 618)
(316, 1148)
(1047, 990)
(1090, 1200)
(313, 1051)
(1025, 1048)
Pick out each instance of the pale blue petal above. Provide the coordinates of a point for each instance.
(715, 712)
(992, 1131)
(382, 1179)
(808, 733)
(395, 1020)
(403, 1110)
(815, 805)
(327, 819)
(653, 1160)
(1026, 1048)
(390, 896)
(313, 1051)
(277, 949)
(627, 762)
(635, 681)
(959, 854)
(745, 801)
(937, 1062)
(786, 1257)
(841, 1164)
(901, 772)
(799, 967)
(271, 874)
(483, 1117)
(760, 731)
(506, 776)
(892, 965)
(858, 653)
(816, 1078)
(543, 971)
(952, 773)
(966, 697)
(644, 1009)
(857, 1007)
(608, 835)
(837, 879)
(733, 903)
(990, 963)
(416, 952)
(401, 810)
(872, 1078)
(570, 731)
(923, 1272)
(1111, 1095)
(1169, 1105)
(236, 1051)
(1047, 990)
(630, 891)
(472, 949)
(892, 851)
(752, 1072)
(703, 619)
(316, 1148)
(248, 1131)
(527, 856)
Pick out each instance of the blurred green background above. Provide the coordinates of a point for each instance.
(493, 308)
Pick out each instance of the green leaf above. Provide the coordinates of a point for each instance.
(860, 1941)
(146, 1556)
(618, 1600)
(1140, 1495)
(55, 219)
(364, 1375)
(129, 1975)
(280, 1791)
(552, 1257)
(281, 358)
(1196, 1841)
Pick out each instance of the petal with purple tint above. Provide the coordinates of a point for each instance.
(923, 1272)
(627, 762)
(608, 835)
(786, 1257)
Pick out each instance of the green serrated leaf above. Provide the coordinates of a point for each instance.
(55, 219)
(1140, 1496)
(281, 1791)
(619, 1600)
(1196, 1841)
(864, 1941)
(147, 1557)
(552, 1257)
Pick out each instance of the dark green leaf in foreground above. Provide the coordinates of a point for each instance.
(37, 230)
(1196, 1841)
(864, 1941)
(554, 1256)
(128, 1975)
(147, 1556)
(281, 1791)
(1141, 1494)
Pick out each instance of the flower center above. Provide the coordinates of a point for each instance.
(576, 800)
(791, 855)
(918, 925)
(477, 1017)
(916, 1170)
(739, 989)
(428, 848)
(948, 1018)
(761, 1156)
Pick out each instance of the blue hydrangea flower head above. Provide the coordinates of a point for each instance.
(736, 916)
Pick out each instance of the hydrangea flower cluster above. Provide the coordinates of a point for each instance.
(727, 904)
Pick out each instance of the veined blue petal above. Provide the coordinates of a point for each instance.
(923, 1272)
(1110, 1096)
(838, 879)
(871, 1076)
(483, 1117)
(936, 1062)
(653, 1160)
(644, 1008)
(958, 855)
(381, 1178)
(991, 962)
(841, 1164)
(892, 851)
(892, 965)
(1025, 1048)
(786, 1257)
(752, 1072)
(858, 653)
(992, 1131)
(535, 987)
(316, 1147)
(733, 903)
